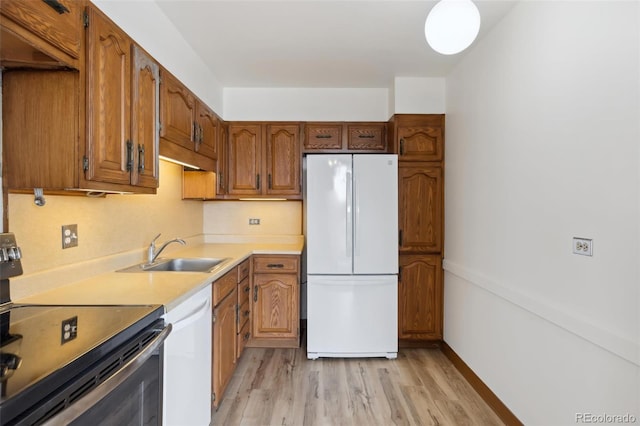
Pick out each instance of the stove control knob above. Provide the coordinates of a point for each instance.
(4, 255)
(8, 364)
(14, 253)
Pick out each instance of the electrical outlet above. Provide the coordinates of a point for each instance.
(583, 246)
(69, 236)
(69, 330)
(254, 221)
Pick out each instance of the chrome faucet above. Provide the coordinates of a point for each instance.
(152, 254)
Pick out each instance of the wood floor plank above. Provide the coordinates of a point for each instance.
(283, 387)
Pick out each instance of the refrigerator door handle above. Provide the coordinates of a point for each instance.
(356, 216)
(349, 213)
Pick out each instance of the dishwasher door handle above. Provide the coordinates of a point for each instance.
(192, 316)
(85, 403)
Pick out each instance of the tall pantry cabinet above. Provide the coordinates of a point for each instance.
(419, 142)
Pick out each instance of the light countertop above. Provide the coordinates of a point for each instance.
(161, 288)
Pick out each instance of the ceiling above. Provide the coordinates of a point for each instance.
(321, 43)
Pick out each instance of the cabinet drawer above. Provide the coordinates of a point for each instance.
(276, 264)
(243, 270)
(223, 286)
(243, 337)
(244, 313)
(244, 290)
(323, 136)
(368, 137)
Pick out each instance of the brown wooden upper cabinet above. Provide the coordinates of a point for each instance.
(189, 129)
(420, 208)
(41, 34)
(344, 137)
(118, 152)
(264, 160)
(122, 107)
(418, 137)
(221, 164)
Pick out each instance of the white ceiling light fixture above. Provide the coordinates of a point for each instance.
(452, 25)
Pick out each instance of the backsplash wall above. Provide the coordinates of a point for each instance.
(106, 226)
(232, 217)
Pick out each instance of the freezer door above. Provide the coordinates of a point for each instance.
(329, 218)
(352, 316)
(375, 189)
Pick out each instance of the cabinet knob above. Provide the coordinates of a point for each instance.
(255, 293)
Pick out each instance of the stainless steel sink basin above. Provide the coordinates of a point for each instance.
(187, 264)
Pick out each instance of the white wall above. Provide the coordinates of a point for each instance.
(543, 131)
(305, 104)
(415, 95)
(145, 22)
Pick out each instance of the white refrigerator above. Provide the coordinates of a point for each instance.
(351, 219)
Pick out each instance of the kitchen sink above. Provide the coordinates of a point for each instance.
(185, 264)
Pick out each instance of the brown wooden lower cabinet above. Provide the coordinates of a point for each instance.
(420, 298)
(275, 300)
(224, 337)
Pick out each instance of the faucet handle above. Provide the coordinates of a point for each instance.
(155, 238)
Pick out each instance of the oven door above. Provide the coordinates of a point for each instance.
(132, 395)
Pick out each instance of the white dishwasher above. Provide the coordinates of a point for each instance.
(187, 363)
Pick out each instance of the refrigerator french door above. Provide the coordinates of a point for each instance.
(352, 261)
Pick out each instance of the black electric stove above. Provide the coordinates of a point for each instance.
(43, 348)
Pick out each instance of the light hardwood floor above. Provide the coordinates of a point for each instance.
(282, 387)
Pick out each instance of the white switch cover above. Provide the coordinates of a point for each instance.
(583, 246)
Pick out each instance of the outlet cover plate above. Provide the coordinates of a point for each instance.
(583, 246)
(69, 236)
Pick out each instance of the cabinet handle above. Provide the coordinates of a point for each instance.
(270, 187)
(399, 274)
(258, 181)
(141, 157)
(221, 180)
(401, 146)
(275, 265)
(323, 136)
(246, 313)
(57, 6)
(246, 336)
(129, 156)
(255, 294)
(400, 237)
(366, 136)
(247, 289)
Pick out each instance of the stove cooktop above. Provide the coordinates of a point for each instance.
(43, 346)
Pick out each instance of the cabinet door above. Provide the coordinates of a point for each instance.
(323, 137)
(208, 128)
(109, 148)
(420, 297)
(367, 136)
(177, 109)
(145, 114)
(245, 142)
(283, 160)
(224, 345)
(420, 208)
(420, 143)
(275, 306)
(222, 161)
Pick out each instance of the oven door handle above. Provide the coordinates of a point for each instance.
(85, 403)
